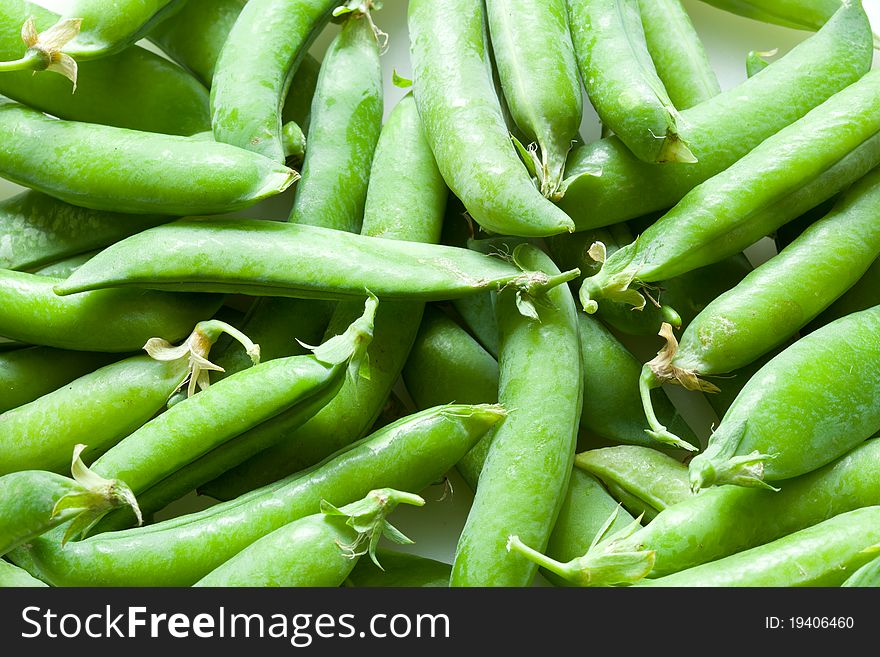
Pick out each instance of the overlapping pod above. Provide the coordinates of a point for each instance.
(797, 14)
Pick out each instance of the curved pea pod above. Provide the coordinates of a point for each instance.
(346, 120)
(253, 72)
(756, 442)
(644, 480)
(141, 173)
(734, 209)
(678, 54)
(823, 555)
(33, 502)
(38, 230)
(797, 14)
(28, 374)
(772, 303)
(105, 320)
(536, 65)
(134, 88)
(721, 130)
(399, 569)
(332, 264)
(408, 455)
(12, 576)
(464, 123)
(621, 80)
(868, 576)
(106, 405)
(318, 550)
(535, 447)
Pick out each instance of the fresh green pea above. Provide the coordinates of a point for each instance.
(32, 502)
(117, 170)
(523, 481)
(644, 480)
(866, 576)
(399, 569)
(464, 124)
(797, 14)
(29, 373)
(772, 303)
(105, 320)
(255, 67)
(408, 455)
(722, 129)
(824, 376)
(330, 264)
(536, 65)
(318, 550)
(346, 120)
(12, 576)
(405, 201)
(678, 54)
(622, 82)
(104, 406)
(727, 213)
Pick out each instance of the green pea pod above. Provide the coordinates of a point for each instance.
(12, 576)
(644, 480)
(28, 374)
(330, 264)
(106, 405)
(38, 229)
(105, 320)
(729, 212)
(866, 576)
(772, 303)
(721, 130)
(734, 382)
(33, 502)
(64, 268)
(478, 316)
(678, 54)
(255, 67)
(798, 14)
(318, 550)
(464, 123)
(399, 569)
(298, 104)
(347, 118)
(622, 82)
(536, 65)
(117, 170)
(756, 443)
(535, 447)
(861, 296)
(405, 183)
(408, 455)
(823, 555)
(755, 62)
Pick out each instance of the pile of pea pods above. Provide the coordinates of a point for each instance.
(460, 288)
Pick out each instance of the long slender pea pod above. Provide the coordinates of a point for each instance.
(644, 480)
(527, 469)
(797, 14)
(866, 576)
(399, 569)
(28, 374)
(105, 320)
(32, 502)
(729, 212)
(678, 54)
(756, 442)
(773, 302)
(331, 264)
(37, 229)
(118, 170)
(11, 576)
(346, 121)
(106, 405)
(464, 124)
(408, 455)
(255, 67)
(823, 555)
(536, 65)
(318, 550)
(622, 82)
(405, 201)
(722, 129)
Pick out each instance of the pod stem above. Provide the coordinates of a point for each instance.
(44, 50)
(746, 470)
(355, 9)
(368, 519)
(98, 497)
(196, 349)
(352, 345)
